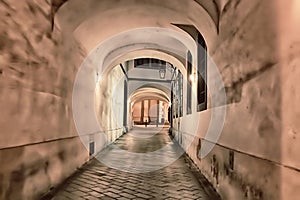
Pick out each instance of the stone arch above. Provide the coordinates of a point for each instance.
(202, 15)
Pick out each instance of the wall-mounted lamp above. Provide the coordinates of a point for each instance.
(162, 73)
(193, 77)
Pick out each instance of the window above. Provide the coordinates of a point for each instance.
(141, 62)
(201, 66)
(189, 83)
(172, 106)
(149, 63)
(201, 74)
(178, 95)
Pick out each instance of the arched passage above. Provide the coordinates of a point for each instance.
(149, 105)
(136, 12)
(255, 57)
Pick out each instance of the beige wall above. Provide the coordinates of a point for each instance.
(257, 53)
(290, 109)
(39, 146)
(109, 104)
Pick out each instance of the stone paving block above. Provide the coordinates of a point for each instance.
(129, 191)
(123, 198)
(116, 187)
(97, 189)
(143, 196)
(78, 193)
(103, 182)
(70, 195)
(174, 194)
(146, 192)
(130, 187)
(113, 190)
(111, 194)
(130, 196)
(107, 198)
(84, 189)
(91, 198)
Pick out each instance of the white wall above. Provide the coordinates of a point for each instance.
(109, 100)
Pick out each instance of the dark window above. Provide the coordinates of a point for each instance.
(180, 82)
(141, 62)
(177, 89)
(149, 63)
(201, 74)
(189, 83)
(172, 106)
(92, 148)
(174, 103)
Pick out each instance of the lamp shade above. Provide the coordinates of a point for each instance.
(162, 73)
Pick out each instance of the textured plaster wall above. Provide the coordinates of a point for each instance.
(289, 72)
(257, 54)
(109, 99)
(38, 142)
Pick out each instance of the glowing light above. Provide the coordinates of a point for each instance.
(193, 77)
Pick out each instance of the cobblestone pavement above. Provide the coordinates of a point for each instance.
(176, 181)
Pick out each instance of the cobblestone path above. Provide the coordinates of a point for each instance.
(180, 180)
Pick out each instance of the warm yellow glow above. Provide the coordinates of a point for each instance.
(193, 77)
